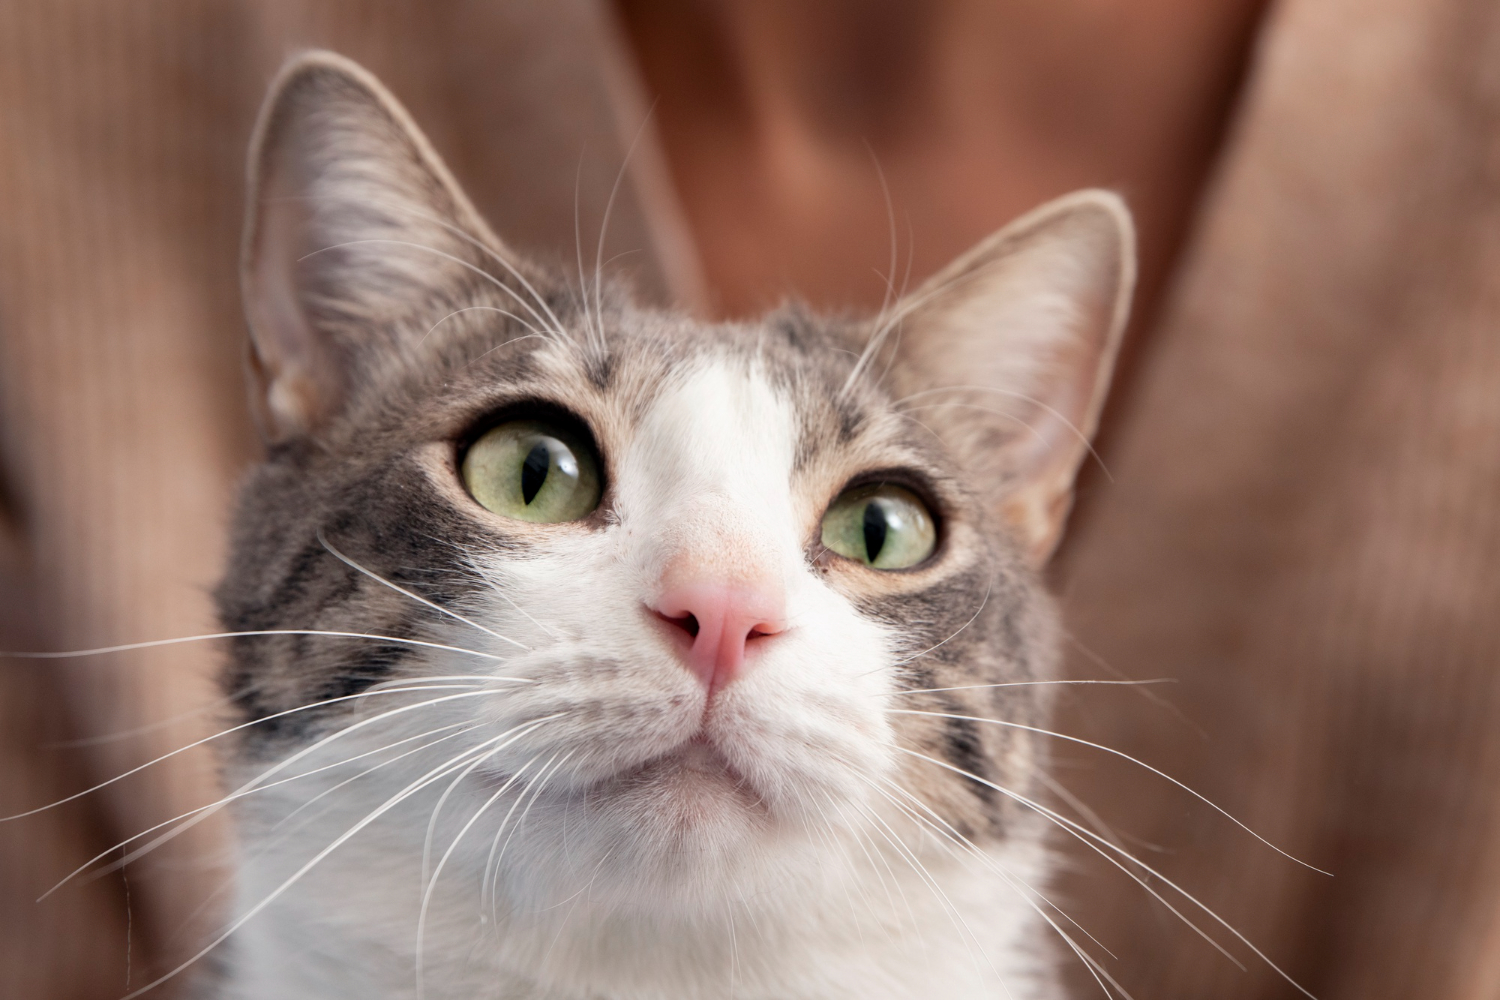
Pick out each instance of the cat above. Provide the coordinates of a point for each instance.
(626, 655)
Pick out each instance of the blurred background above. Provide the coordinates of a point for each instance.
(1300, 524)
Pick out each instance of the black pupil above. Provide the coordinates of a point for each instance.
(534, 472)
(875, 528)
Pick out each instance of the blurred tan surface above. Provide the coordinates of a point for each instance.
(1303, 520)
(1304, 529)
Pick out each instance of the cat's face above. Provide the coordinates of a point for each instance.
(735, 594)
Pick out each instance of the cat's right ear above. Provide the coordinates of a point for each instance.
(352, 222)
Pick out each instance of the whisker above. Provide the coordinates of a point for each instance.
(170, 721)
(1023, 397)
(460, 729)
(1091, 839)
(1095, 969)
(490, 888)
(416, 597)
(1090, 817)
(1145, 693)
(948, 831)
(204, 813)
(431, 884)
(975, 617)
(275, 838)
(1009, 684)
(490, 252)
(195, 816)
(494, 859)
(484, 248)
(514, 340)
(503, 312)
(904, 851)
(890, 216)
(557, 326)
(437, 809)
(155, 643)
(1085, 836)
(609, 207)
(500, 592)
(1118, 753)
(411, 789)
(196, 743)
(583, 285)
(226, 800)
(903, 309)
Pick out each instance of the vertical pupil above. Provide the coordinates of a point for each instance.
(534, 471)
(875, 528)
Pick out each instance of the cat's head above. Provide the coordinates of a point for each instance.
(745, 586)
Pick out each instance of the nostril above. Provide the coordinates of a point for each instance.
(688, 623)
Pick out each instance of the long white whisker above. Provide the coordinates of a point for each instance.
(890, 216)
(459, 729)
(510, 268)
(1010, 684)
(219, 803)
(467, 266)
(1121, 754)
(500, 592)
(1085, 836)
(153, 727)
(905, 852)
(442, 800)
(287, 762)
(416, 597)
(535, 791)
(127, 647)
(1082, 437)
(974, 618)
(274, 839)
(514, 340)
(883, 329)
(609, 207)
(484, 248)
(946, 830)
(1088, 814)
(1095, 969)
(434, 775)
(431, 884)
(206, 739)
(493, 309)
(1092, 839)
(583, 285)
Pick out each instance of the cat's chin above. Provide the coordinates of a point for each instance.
(690, 786)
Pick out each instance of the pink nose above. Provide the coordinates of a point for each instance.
(720, 620)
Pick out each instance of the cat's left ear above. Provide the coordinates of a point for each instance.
(1007, 354)
(354, 227)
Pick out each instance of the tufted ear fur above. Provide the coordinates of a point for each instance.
(1007, 354)
(353, 222)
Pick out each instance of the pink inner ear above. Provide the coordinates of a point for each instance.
(297, 385)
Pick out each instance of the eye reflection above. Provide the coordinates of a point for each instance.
(532, 470)
(883, 526)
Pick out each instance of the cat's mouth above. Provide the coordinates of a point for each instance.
(694, 773)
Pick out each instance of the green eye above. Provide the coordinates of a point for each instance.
(532, 471)
(882, 526)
